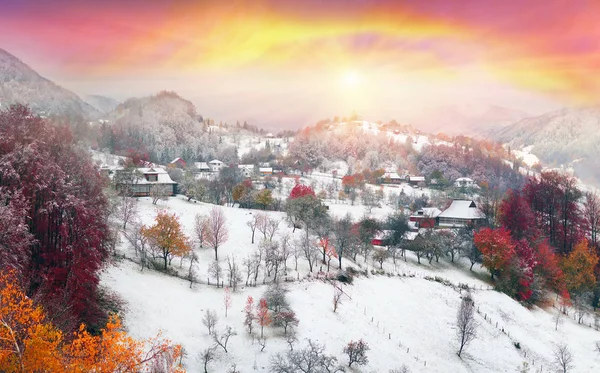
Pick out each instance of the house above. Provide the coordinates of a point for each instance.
(247, 170)
(464, 182)
(414, 180)
(201, 167)
(147, 178)
(269, 135)
(425, 217)
(265, 171)
(381, 238)
(215, 165)
(461, 213)
(178, 162)
(392, 178)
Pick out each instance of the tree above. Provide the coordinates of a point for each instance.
(263, 315)
(357, 352)
(207, 356)
(264, 198)
(337, 297)
(167, 237)
(591, 212)
(254, 223)
(233, 273)
(563, 358)
(370, 199)
(249, 314)
(221, 339)
(210, 320)
(285, 319)
(127, 210)
(380, 256)
(367, 229)
(201, 228)
(227, 300)
(397, 225)
(159, 192)
(218, 233)
(307, 212)
(466, 326)
(517, 217)
(344, 237)
(578, 268)
(30, 343)
(497, 248)
(310, 359)
(301, 190)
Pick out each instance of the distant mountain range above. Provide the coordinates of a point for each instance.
(21, 84)
(569, 137)
(102, 103)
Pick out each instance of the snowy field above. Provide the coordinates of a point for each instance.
(405, 318)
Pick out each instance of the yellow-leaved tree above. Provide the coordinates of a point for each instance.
(166, 237)
(30, 343)
(578, 268)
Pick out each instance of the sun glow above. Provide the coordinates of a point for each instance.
(351, 79)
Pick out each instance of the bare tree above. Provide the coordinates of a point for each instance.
(309, 251)
(286, 320)
(215, 271)
(127, 210)
(557, 320)
(591, 212)
(285, 249)
(337, 297)
(262, 342)
(311, 359)
(201, 229)
(248, 264)
(597, 346)
(466, 326)
(402, 369)
(563, 358)
(292, 337)
(192, 269)
(227, 300)
(210, 320)
(272, 227)
(159, 192)
(357, 352)
(221, 339)
(233, 273)
(253, 224)
(207, 356)
(262, 223)
(380, 256)
(217, 229)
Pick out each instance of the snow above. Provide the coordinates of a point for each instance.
(406, 319)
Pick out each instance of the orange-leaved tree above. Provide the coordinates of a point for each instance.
(578, 268)
(263, 316)
(496, 247)
(30, 343)
(167, 237)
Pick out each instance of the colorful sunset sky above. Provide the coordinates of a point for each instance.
(285, 63)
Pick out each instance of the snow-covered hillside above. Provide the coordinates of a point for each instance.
(407, 318)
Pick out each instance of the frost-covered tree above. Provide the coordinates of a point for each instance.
(466, 326)
(357, 352)
(310, 359)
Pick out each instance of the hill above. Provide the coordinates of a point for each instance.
(102, 103)
(19, 83)
(566, 137)
(407, 317)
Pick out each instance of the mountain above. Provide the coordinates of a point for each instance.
(21, 84)
(567, 137)
(102, 103)
(467, 120)
(164, 118)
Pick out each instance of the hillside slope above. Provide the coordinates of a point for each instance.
(406, 319)
(563, 137)
(21, 84)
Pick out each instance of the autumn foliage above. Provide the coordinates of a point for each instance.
(578, 268)
(301, 190)
(52, 217)
(263, 315)
(167, 237)
(30, 343)
(497, 248)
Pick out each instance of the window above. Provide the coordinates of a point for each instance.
(152, 177)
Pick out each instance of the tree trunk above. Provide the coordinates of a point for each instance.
(216, 253)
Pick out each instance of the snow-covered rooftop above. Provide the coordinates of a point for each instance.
(427, 212)
(462, 209)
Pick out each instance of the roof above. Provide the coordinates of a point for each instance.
(462, 209)
(410, 236)
(392, 175)
(382, 235)
(417, 178)
(215, 161)
(163, 176)
(427, 212)
(177, 160)
(265, 169)
(201, 165)
(464, 179)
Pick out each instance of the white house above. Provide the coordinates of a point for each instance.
(460, 214)
(265, 171)
(247, 170)
(464, 182)
(215, 165)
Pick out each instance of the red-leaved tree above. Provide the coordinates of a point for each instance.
(301, 190)
(517, 217)
(263, 315)
(496, 247)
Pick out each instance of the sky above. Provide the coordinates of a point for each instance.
(286, 63)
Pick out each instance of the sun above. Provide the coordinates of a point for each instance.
(351, 79)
